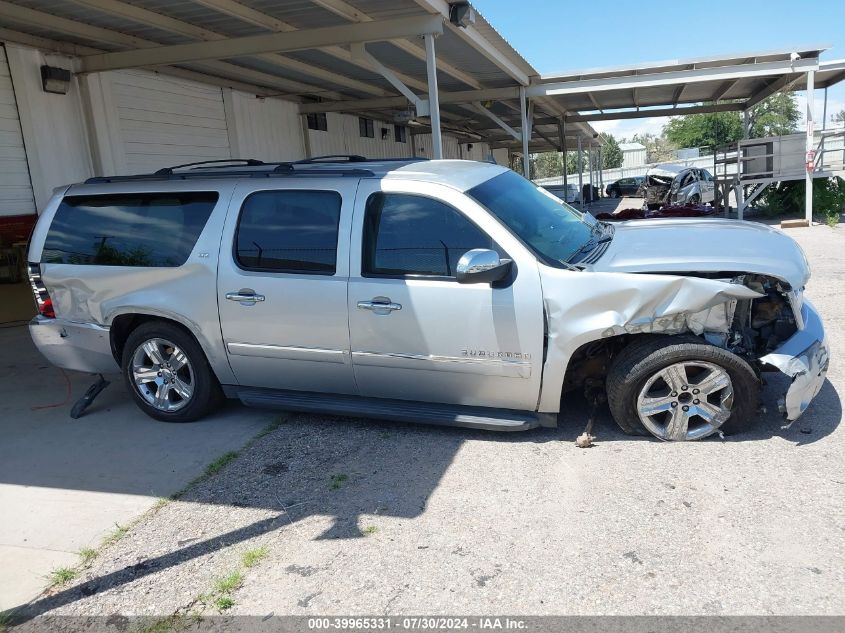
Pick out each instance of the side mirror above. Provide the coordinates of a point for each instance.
(481, 265)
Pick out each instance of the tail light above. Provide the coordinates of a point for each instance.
(42, 297)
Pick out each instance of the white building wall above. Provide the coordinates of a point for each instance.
(267, 129)
(137, 121)
(633, 157)
(159, 121)
(343, 137)
(53, 125)
(452, 148)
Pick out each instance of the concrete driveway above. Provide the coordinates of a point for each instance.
(65, 484)
(333, 516)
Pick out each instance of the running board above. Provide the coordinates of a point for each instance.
(394, 410)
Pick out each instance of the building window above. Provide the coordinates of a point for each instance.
(400, 134)
(366, 128)
(318, 121)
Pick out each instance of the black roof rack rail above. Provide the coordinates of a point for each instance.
(252, 162)
(215, 169)
(333, 158)
(283, 170)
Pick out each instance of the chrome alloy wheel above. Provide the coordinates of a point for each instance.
(688, 400)
(163, 375)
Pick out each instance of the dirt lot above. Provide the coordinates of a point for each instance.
(330, 516)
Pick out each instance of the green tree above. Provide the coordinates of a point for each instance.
(546, 165)
(838, 117)
(611, 154)
(704, 130)
(775, 116)
(657, 148)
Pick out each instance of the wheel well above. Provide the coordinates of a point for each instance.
(123, 325)
(589, 364)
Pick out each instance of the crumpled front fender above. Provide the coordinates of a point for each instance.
(804, 357)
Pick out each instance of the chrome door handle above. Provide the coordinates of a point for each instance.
(244, 297)
(379, 307)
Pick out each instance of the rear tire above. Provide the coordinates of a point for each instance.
(614, 193)
(653, 207)
(694, 200)
(721, 394)
(167, 373)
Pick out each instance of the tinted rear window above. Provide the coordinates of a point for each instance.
(151, 229)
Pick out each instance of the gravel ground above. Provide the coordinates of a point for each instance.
(375, 518)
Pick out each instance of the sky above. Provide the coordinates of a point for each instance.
(558, 35)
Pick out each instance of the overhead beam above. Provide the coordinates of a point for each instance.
(26, 16)
(272, 42)
(456, 97)
(257, 18)
(498, 121)
(471, 36)
(67, 48)
(673, 78)
(422, 105)
(783, 83)
(656, 112)
(353, 14)
(172, 25)
(546, 137)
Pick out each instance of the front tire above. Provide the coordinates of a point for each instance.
(680, 388)
(167, 373)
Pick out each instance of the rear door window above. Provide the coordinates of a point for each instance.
(292, 231)
(145, 230)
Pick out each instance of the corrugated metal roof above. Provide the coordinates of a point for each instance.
(464, 64)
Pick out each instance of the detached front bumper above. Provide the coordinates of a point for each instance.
(804, 358)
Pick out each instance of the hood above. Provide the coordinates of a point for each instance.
(704, 245)
(667, 171)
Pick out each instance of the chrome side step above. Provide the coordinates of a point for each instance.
(384, 409)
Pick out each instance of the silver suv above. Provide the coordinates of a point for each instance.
(449, 292)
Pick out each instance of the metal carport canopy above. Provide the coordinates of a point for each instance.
(312, 51)
(713, 83)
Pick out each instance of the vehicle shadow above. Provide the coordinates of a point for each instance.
(335, 471)
(345, 469)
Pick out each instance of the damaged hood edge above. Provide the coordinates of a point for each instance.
(704, 245)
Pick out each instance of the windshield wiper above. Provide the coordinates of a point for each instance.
(596, 239)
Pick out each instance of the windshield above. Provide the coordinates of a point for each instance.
(551, 228)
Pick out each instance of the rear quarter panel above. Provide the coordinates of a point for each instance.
(186, 294)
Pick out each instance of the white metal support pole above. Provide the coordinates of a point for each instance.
(600, 168)
(824, 111)
(561, 132)
(808, 178)
(526, 132)
(433, 96)
(592, 167)
(740, 188)
(580, 173)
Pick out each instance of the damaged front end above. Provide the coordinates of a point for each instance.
(781, 330)
(804, 357)
(656, 189)
(757, 317)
